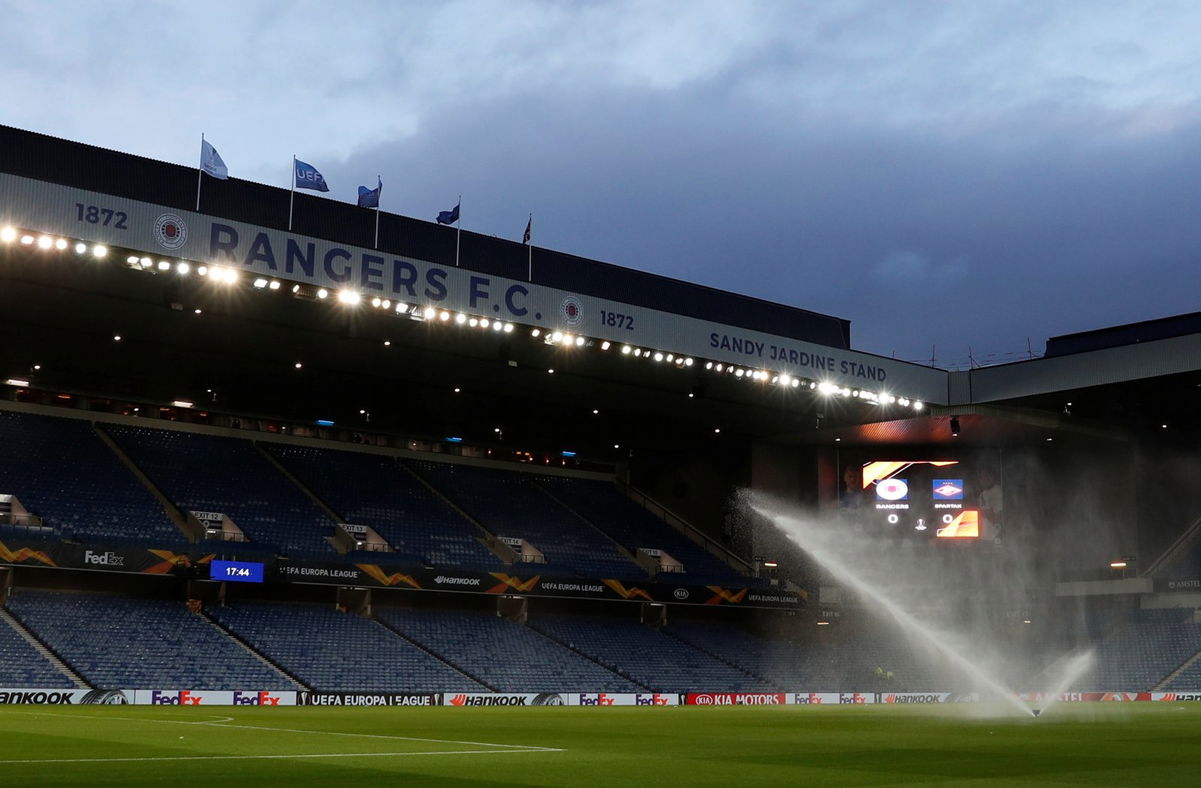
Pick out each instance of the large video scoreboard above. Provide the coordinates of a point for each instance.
(930, 498)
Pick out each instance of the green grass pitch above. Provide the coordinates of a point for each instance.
(1086, 744)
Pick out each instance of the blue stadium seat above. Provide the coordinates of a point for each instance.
(63, 472)
(508, 504)
(375, 490)
(118, 642)
(332, 651)
(216, 474)
(508, 656)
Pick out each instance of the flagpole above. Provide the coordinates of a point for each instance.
(292, 196)
(379, 179)
(530, 249)
(458, 229)
(200, 172)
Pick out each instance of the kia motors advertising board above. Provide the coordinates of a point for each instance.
(736, 698)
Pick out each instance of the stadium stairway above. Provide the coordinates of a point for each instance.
(388, 626)
(261, 657)
(570, 645)
(699, 644)
(173, 512)
(291, 477)
(13, 653)
(505, 553)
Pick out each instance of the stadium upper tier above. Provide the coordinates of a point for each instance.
(289, 499)
(227, 475)
(62, 472)
(379, 491)
(509, 505)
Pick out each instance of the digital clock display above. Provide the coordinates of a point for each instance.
(236, 571)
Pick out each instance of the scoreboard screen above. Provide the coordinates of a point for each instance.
(236, 571)
(926, 497)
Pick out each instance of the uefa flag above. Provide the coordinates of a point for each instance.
(449, 217)
(307, 177)
(525, 238)
(210, 161)
(369, 198)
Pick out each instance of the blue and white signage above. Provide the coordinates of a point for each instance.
(236, 571)
(100, 218)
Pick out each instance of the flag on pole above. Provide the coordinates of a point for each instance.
(307, 177)
(525, 238)
(369, 198)
(211, 162)
(451, 216)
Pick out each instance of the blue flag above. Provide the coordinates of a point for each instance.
(369, 198)
(307, 177)
(449, 217)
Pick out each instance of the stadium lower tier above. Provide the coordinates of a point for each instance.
(88, 640)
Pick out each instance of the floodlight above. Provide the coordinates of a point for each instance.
(183, 268)
(274, 285)
(349, 297)
(605, 345)
(98, 251)
(429, 312)
(508, 328)
(260, 283)
(460, 318)
(163, 265)
(60, 244)
(27, 240)
(8, 235)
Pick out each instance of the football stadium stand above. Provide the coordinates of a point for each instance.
(1143, 653)
(229, 475)
(509, 505)
(379, 491)
(333, 651)
(116, 641)
(508, 656)
(650, 658)
(633, 527)
(22, 665)
(62, 472)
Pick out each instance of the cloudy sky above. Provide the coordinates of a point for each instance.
(946, 175)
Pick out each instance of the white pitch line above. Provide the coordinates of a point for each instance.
(278, 757)
(218, 724)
